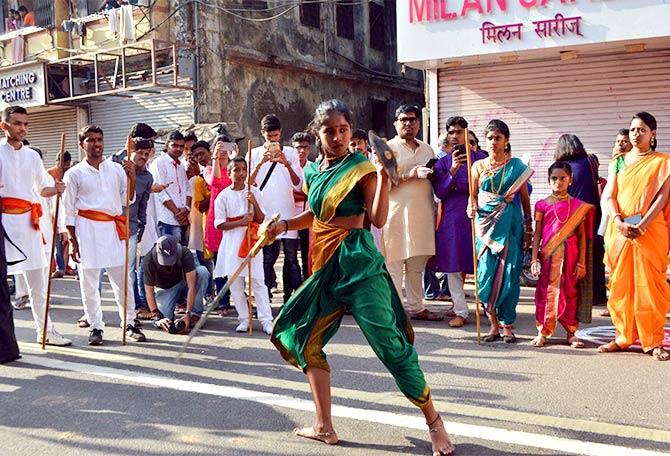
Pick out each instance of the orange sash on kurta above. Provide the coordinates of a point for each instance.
(97, 216)
(639, 293)
(19, 206)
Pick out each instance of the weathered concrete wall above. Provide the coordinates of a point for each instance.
(249, 69)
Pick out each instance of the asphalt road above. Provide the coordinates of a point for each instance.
(234, 395)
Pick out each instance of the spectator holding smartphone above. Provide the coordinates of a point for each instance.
(276, 170)
(453, 244)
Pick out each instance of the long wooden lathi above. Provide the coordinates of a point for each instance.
(54, 238)
(473, 203)
(249, 210)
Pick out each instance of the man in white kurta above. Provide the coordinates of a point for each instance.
(277, 173)
(22, 178)
(409, 233)
(94, 200)
(232, 206)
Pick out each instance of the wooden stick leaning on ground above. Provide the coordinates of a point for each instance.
(473, 203)
(249, 209)
(263, 239)
(129, 147)
(54, 239)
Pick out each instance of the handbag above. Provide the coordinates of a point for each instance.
(250, 238)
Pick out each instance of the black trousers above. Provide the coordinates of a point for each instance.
(291, 276)
(9, 349)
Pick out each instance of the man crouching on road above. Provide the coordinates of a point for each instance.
(171, 268)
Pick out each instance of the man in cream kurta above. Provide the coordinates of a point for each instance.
(94, 200)
(22, 178)
(409, 233)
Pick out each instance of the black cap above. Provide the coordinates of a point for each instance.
(167, 248)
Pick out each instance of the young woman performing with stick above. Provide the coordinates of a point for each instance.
(348, 274)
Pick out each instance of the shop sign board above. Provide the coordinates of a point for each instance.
(23, 85)
(448, 29)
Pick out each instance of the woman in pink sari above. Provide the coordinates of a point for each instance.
(559, 257)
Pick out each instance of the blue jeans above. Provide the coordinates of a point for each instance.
(178, 231)
(166, 300)
(200, 259)
(140, 296)
(291, 275)
(431, 285)
(60, 260)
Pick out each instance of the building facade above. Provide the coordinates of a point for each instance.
(173, 63)
(544, 67)
(308, 52)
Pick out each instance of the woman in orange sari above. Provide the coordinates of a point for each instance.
(637, 242)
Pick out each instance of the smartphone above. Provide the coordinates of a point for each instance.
(431, 163)
(229, 146)
(274, 148)
(633, 219)
(459, 149)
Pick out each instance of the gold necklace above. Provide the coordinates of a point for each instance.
(556, 201)
(502, 177)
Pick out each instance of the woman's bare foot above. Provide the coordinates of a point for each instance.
(574, 341)
(328, 437)
(609, 347)
(439, 438)
(660, 354)
(539, 341)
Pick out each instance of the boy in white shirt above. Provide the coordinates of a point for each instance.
(231, 209)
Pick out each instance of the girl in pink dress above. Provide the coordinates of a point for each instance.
(559, 257)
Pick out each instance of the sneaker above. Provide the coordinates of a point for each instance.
(21, 303)
(267, 327)
(137, 323)
(95, 337)
(54, 338)
(135, 334)
(242, 327)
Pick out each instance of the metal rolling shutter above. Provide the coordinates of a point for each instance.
(116, 115)
(45, 128)
(592, 97)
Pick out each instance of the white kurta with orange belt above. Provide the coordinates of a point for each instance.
(410, 226)
(22, 176)
(104, 190)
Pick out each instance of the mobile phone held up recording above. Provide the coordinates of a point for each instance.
(274, 148)
(431, 163)
(459, 150)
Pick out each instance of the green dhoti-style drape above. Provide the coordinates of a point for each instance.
(349, 274)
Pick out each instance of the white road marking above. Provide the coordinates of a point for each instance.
(489, 433)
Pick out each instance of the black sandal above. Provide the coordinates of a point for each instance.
(509, 339)
(491, 337)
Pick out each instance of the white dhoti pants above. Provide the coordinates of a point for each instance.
(455, 280)
(34, 282)
(412, 268)
(261, 295)
(90, 296)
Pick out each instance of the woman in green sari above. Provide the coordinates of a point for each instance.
(348, 275)
(502, 233)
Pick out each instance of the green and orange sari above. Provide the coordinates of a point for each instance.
(349, 274)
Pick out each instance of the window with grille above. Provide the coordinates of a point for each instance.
(310, 14)
(377, 27)
(345, 19)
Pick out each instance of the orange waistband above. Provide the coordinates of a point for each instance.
(97, 216)
(19, 206)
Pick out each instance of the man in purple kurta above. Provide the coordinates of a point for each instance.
(453, 242)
